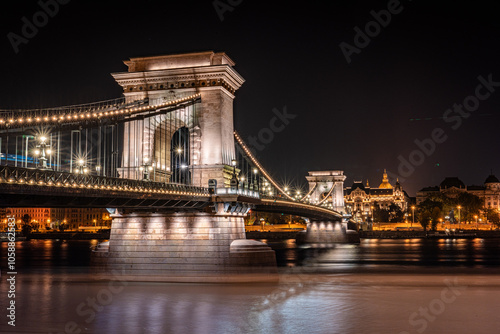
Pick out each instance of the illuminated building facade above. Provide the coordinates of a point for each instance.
(52, 218)
(452, 187)
(361, 199)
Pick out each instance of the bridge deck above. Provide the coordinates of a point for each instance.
(26, 187)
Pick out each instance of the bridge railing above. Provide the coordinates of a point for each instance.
(99, 106)
(241, 192)
(32, 176)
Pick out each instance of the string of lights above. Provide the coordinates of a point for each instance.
(9, 119)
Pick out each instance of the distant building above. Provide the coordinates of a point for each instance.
(77, 217)
(38, 217)
(360, 199)
(52, 218)
(3, 219)
(452, 187)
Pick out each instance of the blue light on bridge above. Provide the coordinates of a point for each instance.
(20, 159)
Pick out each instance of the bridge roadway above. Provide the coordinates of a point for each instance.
(28, 187)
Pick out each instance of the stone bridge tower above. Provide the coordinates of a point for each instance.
(327, 187)
(194, 245)
(170, 77)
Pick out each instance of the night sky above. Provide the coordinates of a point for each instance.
(361, 117)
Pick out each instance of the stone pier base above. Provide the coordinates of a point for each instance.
(325, 234)
(183, 247)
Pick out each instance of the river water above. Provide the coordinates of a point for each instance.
(378, 286)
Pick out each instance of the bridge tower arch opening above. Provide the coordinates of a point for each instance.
(179, 156)
(173, 138)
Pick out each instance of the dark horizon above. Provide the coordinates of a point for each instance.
(361, 113)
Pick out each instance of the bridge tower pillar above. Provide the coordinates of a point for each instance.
(329, 184)
(164, 78)
(326, 233)
(185, 247)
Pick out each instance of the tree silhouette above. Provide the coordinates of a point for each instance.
(493, 216)
(26, 228)
(471, 205)
(429, 212)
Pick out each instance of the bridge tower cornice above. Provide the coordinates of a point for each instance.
(198, 78)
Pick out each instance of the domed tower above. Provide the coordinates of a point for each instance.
(385, 182)
(492, 183)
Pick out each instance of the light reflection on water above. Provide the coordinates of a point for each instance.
(369, 288)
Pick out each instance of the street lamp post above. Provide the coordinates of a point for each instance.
(234, 179)
(42, 150)
(459, 207)
(146, 169)
(412, 215)
(256, 180)
(178, 170)
(476, 220)
(81, 168)
(371, 212)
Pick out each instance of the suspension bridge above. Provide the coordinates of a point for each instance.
(166, 161)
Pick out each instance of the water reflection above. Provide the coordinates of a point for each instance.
(74, 256)
(48, 305)
(56, 254)
(372, 287)
(312, 304)
(387, 253)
